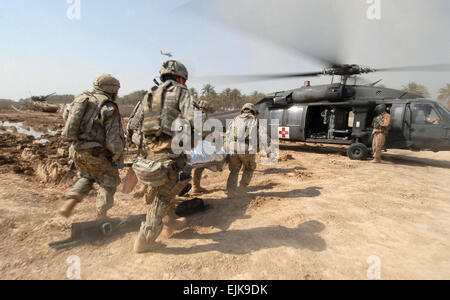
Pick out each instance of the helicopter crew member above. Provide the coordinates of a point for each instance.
(243, 128)
(94, 126)
(166, 173)
(381, 126)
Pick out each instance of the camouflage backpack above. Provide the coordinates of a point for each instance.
(161, 109)
(81, 115)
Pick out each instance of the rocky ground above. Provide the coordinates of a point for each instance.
(316, 215)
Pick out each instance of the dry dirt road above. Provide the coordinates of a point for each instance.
(316, 215)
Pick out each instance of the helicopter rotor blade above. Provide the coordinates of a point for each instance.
(257, 77)
(249, 17)
(426, 68)
(324, 30)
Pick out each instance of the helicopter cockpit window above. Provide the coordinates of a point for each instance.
(443, 110)
(425, 114)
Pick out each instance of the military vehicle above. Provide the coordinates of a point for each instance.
(41, 98)
(342, 113)
(39, 103)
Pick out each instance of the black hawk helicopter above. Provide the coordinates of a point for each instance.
(341, 112)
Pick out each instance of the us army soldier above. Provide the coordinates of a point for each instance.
(166, 173)
(93, 125)
(242, 136)
(381, 126)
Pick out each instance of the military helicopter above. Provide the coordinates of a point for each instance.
(340, 112)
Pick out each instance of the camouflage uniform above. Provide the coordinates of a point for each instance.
(242, 128)
(94, 126)
(381, 125)
(150, 127)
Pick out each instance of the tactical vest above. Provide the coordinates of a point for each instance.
(161, 108)
(83, 122)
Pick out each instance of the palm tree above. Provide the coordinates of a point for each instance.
(226, 93)
(236, 98)
(208, 91)
(416, 88)
(444, 96)
(255, 97)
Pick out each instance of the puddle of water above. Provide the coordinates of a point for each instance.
(42, 141)
(32, 132)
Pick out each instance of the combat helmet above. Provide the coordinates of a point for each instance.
(249, 107)
(379, 109)
(107, 83)
(175, 68)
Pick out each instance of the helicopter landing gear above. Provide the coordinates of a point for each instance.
(358, 151)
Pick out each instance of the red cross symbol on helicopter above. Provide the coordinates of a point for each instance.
(284, 133)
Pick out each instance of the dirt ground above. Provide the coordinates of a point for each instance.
(316, 215)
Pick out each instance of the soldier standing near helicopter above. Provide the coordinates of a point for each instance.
(381, 126)
(241, 135)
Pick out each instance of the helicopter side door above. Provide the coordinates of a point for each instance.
(426, 130)
(399, 138)
(291, 122)
(295, 121)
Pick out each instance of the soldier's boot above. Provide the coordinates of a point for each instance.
(144, 243)
(67, 209)
(153, 226)
(173, 222)
(376, 161)
(75, 195)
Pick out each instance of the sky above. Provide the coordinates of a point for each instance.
(43, 51)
